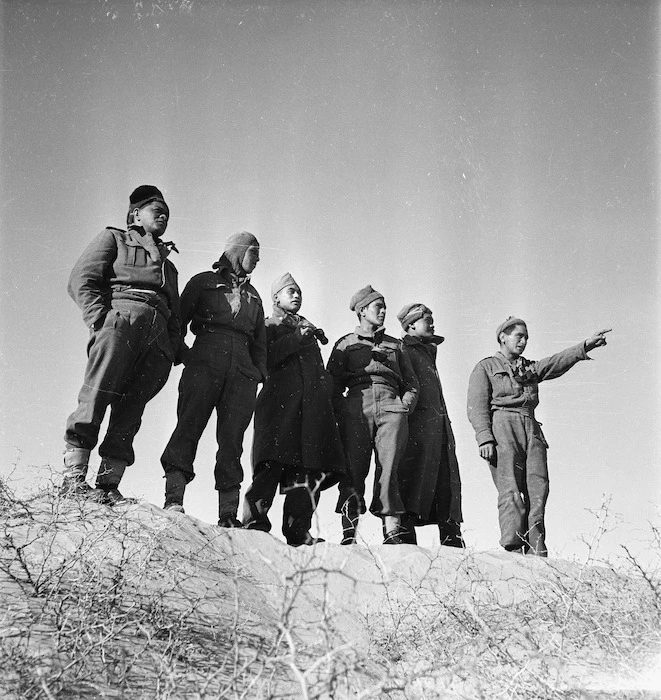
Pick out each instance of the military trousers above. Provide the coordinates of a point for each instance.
(521, 477)
(215, 379)
(126, 368)
(373, 420)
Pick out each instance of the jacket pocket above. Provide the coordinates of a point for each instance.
(136, 255)
(502, 384)
(394, 406)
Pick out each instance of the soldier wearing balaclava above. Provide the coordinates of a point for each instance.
(221, 373)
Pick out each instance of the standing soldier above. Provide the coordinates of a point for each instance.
(502, 396)
(127, 291)
(429, 478)
(222, 370)
(296, 443)
(382, 390)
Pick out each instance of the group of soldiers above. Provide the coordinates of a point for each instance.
(314, 427)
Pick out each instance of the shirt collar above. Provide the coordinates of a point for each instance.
(414, 340)
(225, 270)
(376, 337)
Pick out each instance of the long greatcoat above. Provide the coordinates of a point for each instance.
(430, 452)
(294, 419)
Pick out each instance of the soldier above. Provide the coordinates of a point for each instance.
(382, 390)
(502, 397)
(127, 291)
(221, 372)
(296, 443)
(429, 479)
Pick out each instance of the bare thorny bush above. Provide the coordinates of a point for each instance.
(100, 607)
(540, 637)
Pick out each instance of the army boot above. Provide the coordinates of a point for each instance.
(110, 474)
(228, 505)
(74, 485)
(175, 486)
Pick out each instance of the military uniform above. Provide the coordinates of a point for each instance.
(429, 478)
(296, 442)
(127, 291)
(373, 416)
(221, 373)
(502, 397)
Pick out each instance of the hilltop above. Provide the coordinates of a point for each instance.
(137, 602)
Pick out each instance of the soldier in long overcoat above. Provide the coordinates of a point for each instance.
(296, 442)
(429, 480)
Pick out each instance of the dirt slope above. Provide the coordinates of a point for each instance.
(139, 603)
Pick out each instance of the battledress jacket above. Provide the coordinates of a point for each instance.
(220, 303)
(431, 444)
(294, 419)
(493, 386)
(116, 265)
(360, 359)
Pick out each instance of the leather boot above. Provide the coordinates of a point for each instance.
(175, 486)
(349, 527)
(228, 505)
(110, 474)
(450, 534)
(255, 514)
(392, 529)
(407, 529)
(74, 484)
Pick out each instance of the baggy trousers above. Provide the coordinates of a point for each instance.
(213, 379)
(373, 419)
(300, 502)
(521, 477)
(125, 369)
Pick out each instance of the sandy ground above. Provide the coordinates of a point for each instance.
(137, 602)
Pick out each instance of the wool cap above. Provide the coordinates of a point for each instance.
(143, 195)
(236, 246)
(363, 297)
(283, 281)
(509, 321)
(411, 313)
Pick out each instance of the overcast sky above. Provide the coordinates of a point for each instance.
(484, 158)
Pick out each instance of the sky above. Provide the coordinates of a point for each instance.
(484, 158)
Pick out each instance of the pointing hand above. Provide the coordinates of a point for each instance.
(598, 340)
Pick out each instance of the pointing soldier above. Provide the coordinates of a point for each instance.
(502, 396)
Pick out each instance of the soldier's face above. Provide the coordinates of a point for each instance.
(515, 343)
(289, 299)
(153, 218)
(423, 327)
(375, 313)
(250, 259)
